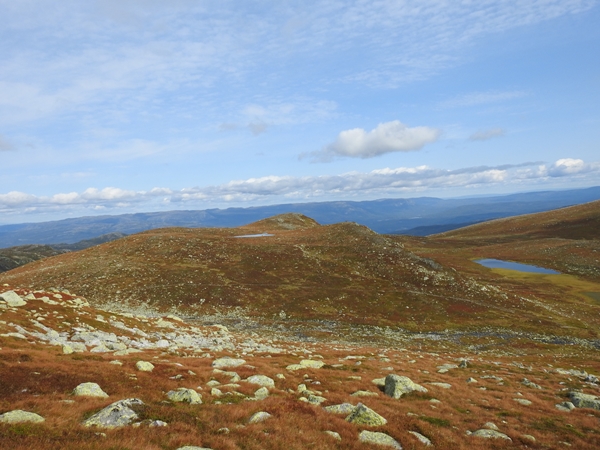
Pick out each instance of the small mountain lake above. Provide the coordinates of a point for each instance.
(499, 264)
(253, 235)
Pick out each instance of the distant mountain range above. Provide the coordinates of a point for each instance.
(415, 216)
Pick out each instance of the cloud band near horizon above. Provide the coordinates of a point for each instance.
(387, 181)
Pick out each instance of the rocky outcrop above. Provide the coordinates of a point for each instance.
(117, 414)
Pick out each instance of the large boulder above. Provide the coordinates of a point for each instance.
(117, 414)
(12, 298)
(185, 395)
(581, 400)
(261, 380)
(363, 415)
(396, 386)
(90, 390)
(373, 437)
(19, 416)
(144, 366)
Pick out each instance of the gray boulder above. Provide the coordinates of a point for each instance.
(396, 386)
(117, 414)
(185, 395)
(373, 437)
(581, 400)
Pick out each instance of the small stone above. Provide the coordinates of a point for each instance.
(441, 385)
(522, 401)
(422, 439)
(144, 366)
(491, 426)
(565, 406)
(19, 416)
(334, 435)
(90, 390)
(364, 394)
(260, 416)
(363, 415)
(471, 380)
(261, 393)
(373, 437)
(528, 437)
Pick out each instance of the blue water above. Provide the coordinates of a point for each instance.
(499, 264)
(254, 235)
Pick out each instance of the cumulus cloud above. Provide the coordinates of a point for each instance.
(484, 135)
(387, 137)
(380, 182)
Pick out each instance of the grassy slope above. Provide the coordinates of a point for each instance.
(343, 273)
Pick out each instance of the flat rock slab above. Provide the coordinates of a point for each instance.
(373, 437)
(12, 299)
(90, 390)
(490, 434)
(343, 408)
(225, 362)
(19, 416)
(363, 415)
(117, 414)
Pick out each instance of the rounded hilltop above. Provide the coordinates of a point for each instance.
(287, 221)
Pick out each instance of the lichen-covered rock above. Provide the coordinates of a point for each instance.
(12, 299)
(334, 435)
(261, 393)
(19, 416)
(144, 366)
(260, 416)
(185, 395)
(261, 380)
(581, 400)
(90, 390)
(343, 408)
(294, 367)
(396, 386)
(363, 415)
(117, 414)
(490, 434)
(362, 393)
(565, 406)
(227, 361)
(374, 437)
(312, 364)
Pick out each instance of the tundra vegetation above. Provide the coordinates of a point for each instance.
(315, 337)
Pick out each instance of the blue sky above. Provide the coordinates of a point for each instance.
(110, 107)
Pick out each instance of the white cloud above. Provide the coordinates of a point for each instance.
(377, 183)
(385, 138)
(481, 98)
(484, 135)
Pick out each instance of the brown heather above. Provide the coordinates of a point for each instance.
(329, 291)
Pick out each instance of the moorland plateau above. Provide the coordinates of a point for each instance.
(321, 315)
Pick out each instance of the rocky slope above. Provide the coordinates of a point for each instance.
(75, 377)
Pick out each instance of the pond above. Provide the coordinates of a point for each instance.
(253, 235)
(499, 264)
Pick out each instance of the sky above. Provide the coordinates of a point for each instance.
(112, 107)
